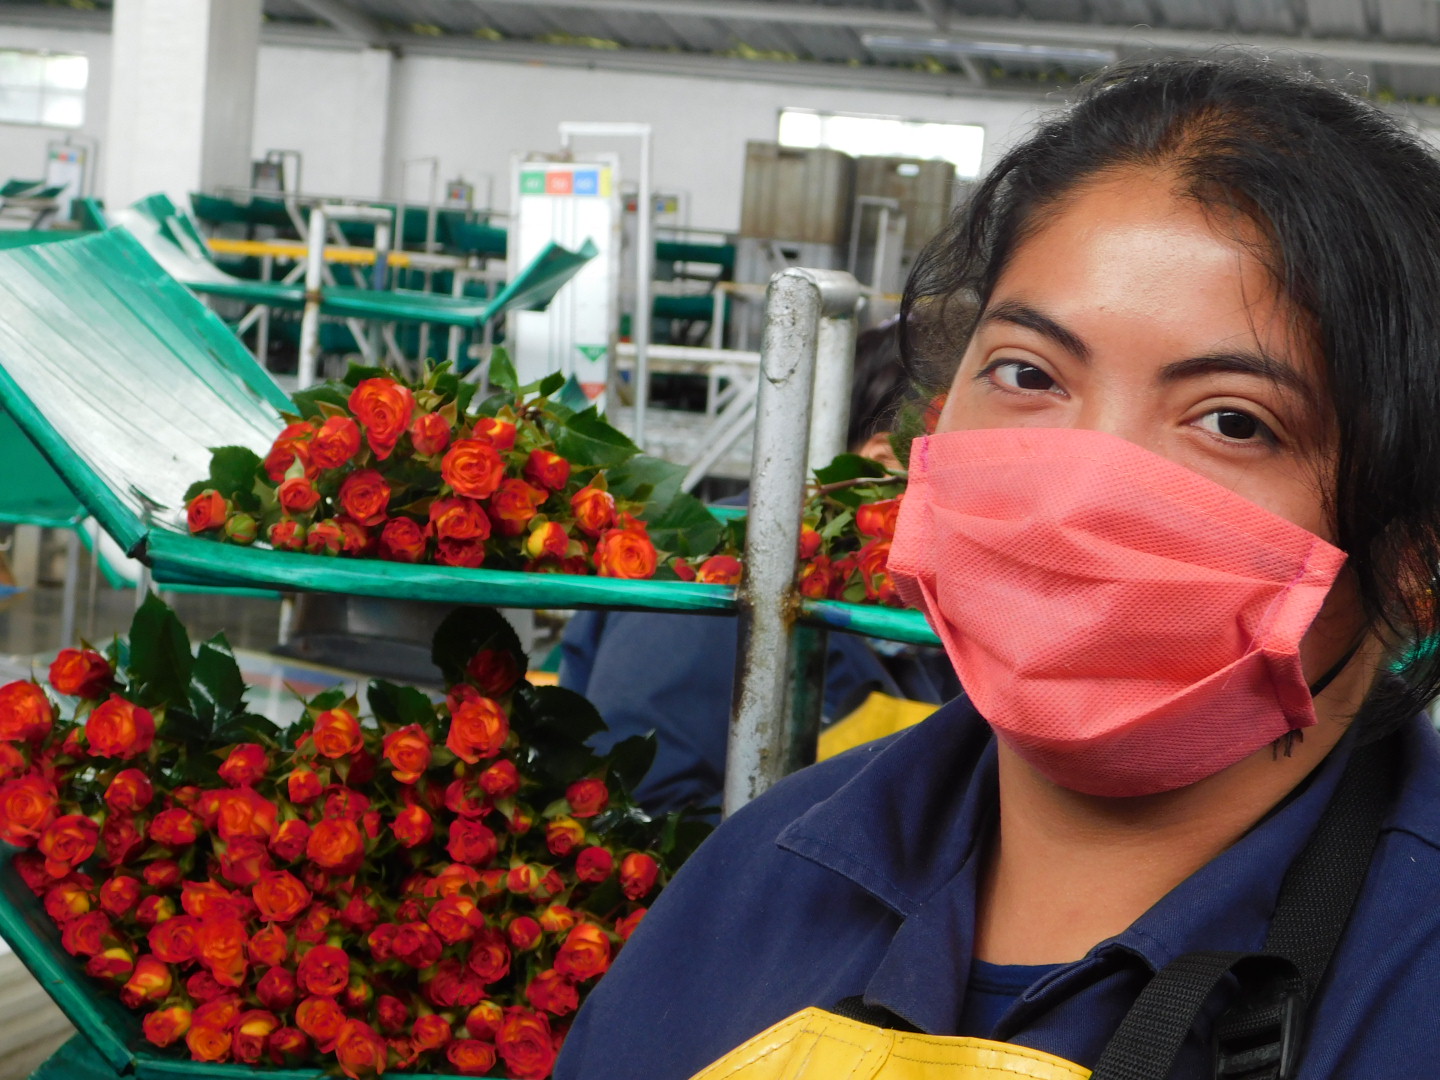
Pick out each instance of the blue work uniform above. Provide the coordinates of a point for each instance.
(674, 675)
(857, 876)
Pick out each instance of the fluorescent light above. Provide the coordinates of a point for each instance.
(999, 50)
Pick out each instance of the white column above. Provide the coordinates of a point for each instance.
(182, 96)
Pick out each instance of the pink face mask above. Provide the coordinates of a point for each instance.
(1124, 624)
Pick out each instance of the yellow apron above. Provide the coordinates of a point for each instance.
(818, 1045)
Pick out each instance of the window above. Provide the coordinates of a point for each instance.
(42, 88)
(886, 136)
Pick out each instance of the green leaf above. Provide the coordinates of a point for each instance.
(233, 469)
(647, 479)
(399, 705)
(735, 533)
(160, 658)
(849, 467)
(685, 527)
(502, 372)
(327, 700)
(216, 686)
(837, 525)
(683, 834)
(629, 761)
(248, 727)
(586, 440)
(464, 395)
(358, 373)
(572, 396)
(563, 712)
(467, 630)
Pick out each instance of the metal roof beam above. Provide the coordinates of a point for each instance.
(351, 23)
(938, 12)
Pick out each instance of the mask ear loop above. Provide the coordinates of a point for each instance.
(1286, 743)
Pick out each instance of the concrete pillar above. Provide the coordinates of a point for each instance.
(182, 96)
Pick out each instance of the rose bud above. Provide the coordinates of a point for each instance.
(594, 865)
(303, 786)
(164, 1026)
(120, 894)
(150, 981)
(118, 728)
(545, 540)
(297, 495)
(594, 510)
(500, 780)
(243, 813)
(321, 1019)
(384, 407)
(26, 714)
(206, 511)
(287, 535)
(455, 918)
(585, 953)
(562, 835)
(430, 1032)
(471, 1057)
(523, 878)
(547, 470)
(526, 1043)
(323, 971)
(277, 989)
(81, 673)
(325, 538)
(268, 947)
(391, 1014)
(356, 536)
(637, 874)
(154, 909)
(472, 843)
(553, 993)
(402, 540)
(381, 941)
(878, 519)
(290, 838)
(587, 797)
(12, 761)
(430, 434)
(473, 468)
(625, 553)
(499, 433)
(245, 765)
(280, 896)
(86, 935)
(291, 445)
(408, 751)
(459, 518)
(417, 945)
(489, 957)
(252, 1034)
(626, 926)
(523, 932)
(161, 873)
(212, 1030)
(478, 729)
(287, 1046)
(337, 846)
(360, 1050)
(514, 504)
(413, 826)
(365, 497)
(810, 541)
(337, 733)
(358, 994)
(67, 842)
(70, 899)
(129, 792)
(483, 1021)
(114, 963)
(816, 578)
(466, 554)
(359, 915)
(241, 529)
(337, 441)
(719, 570)
(27, 807)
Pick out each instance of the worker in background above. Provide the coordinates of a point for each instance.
(674, 674)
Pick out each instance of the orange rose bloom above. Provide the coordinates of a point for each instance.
(26, 714)
(471, 1057)
(524, 1041)
(513, 505)
(324, 971)
(501, 433)
(553, 993)
(587, 797)
(360, 1050)
(321, 1019)
(212, 1028)
(365, 497)
(585, 954)
(810, 541)
(244, 812)
(220, 946)
(413, 826)
(637, 874)
(164, 1026)
(280, 896)
(547, 470)
(719, 570)
(336, 845)
(548, 539)
(245, 765)
(119, 895)
(150, 980)
(625, 553)
(384, 407)
(81, 673)
(816, 578)
(252, 1033)
(27, 806)
(473, 468)
(303, 786)
(455, 918)
(489, 956)
(562, 835)
(478, 729)
(626, 926)
(287, 536)
(403, 540)
(430, 1032)
(429, 434)
(292, 443)
(206, 511)
(67, 842)
(594, 864)
(874, 558)
(459, 519)
(117, 728)
(471, 843)
(408, 751)
(878, 519)
(523, 932)
(297, 495)
(594, 510)
(337, 441)
(337, 733)
(325, 538)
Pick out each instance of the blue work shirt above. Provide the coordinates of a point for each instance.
(858, 876)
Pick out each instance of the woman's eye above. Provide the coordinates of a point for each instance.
(1019, 375)
(1236, 425)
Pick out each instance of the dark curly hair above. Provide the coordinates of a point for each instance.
(1349, 202)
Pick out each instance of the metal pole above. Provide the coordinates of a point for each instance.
(379, 277)
(310, 320)
(262, 340)
(71, 601)
(429, 278)
(830, 399)
(759, 744)
(644, 272)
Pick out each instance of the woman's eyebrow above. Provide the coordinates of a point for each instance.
(1259, 364)
(1018, 313)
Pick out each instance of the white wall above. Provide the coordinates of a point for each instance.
(22, 146)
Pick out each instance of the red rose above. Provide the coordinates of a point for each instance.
(26, 714)
(523, 879)
(523, 932)
(365, 497)
(280, 896)
(164, 1026)
(12, 761)
(478, 729)
(471, 1057)
(117, 728)
(360, 1050)
(408, 751)
(303, 786)
(473, 468)
(637, 874)
(587, 797)
(553, 993)
(417, 945)
(337, 441)
(626, 926)
(524, 1041)
(513, 505)
(292, 444)
(391, 1014)
(244, 812)
(86, 935)
(484, 1020)
(277, 989)
(874, 557)
(878, 519)
(500, 780)
(325, 538)
(206, 511)
(625, 553)
(120, 894)
(337, 733)
(212, 1030)
(499, 433)
(287, 535)
(130, 792)
(321, 1019)
(471, 843)
(816, 578)
(202, 987)
(243, 860)
(810, 541)
(430, 1032)
(154, 909)
(494, 671)
(547, 540)
(268, 947)
(384, 407)
(594, 864)
(297, 495)
(489, 956)
(253, 1029)
(413, 826)
(290, 838)
(161, 873)
(27, 806)
(150, 980)
(220, 946)
(81, 673)
(356, 538)
(430, 434)
(288, 1046)
(403, 540)
(719, 570)
(585, 954)
(562, 835)
(336, 845)
(209, 899)
(466, 554)
(359, 915)
(245, 765)
(323, 971)
(547, 470)
(457, 518)
(66, 842)
(70, 898)
(594, 510)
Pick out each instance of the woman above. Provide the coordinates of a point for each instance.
(1178, 521)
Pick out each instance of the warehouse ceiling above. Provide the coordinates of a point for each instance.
(1388, 48)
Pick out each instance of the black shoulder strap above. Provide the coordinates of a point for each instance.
(1259, 1036)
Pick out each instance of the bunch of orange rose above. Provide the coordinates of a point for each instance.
(527, 479)
(436, 888)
